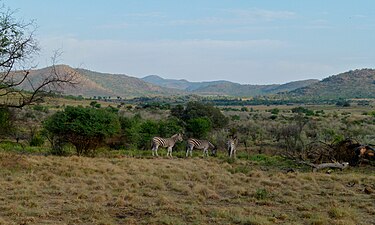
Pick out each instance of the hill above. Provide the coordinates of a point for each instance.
(104, 84)
(226, 87)
(351, 84)
(80, 190)
(182, 84)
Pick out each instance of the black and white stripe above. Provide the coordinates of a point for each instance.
(165, 143)
(199, 144)
(231, 146)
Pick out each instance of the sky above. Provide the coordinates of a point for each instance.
(244, 41)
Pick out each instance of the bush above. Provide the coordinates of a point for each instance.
(199, 127)
(37, 140)
(85, 128)
(40, 108)
(275, 111)
(301, 109)
(5, 121)
(196, 110)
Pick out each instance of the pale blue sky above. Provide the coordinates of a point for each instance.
(245, 41)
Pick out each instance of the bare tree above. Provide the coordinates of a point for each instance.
(18, 47)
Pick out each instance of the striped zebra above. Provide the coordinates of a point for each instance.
(231, 146)
(199, 144)
(165, 143)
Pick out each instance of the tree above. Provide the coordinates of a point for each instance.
(195, 110)
(85, 128)
(17, 49)
(199, 127)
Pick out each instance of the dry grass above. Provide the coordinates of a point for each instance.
(78, 190)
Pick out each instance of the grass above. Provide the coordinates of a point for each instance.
(127, 190)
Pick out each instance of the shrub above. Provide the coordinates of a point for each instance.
(5, 121)
(195, 110)
(301, 109)
(85, 128)
(261, 194)
(199, 127)
(275, 111)
(40, 108)
(37, 140)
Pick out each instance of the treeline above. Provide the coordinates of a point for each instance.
(87, 128)
(293, 132)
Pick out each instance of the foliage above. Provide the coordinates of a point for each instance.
(95, 104)
(199, 127)
(275, 111)
(40, 108)
(5, 121)
(343, 103)
(37, 140)
(85, 128)
(301, 109)
(195, 110)
(137, 132)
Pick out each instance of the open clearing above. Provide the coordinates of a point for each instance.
(79, 190)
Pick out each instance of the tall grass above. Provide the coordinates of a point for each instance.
(142, 190)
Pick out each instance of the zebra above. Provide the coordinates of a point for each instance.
(199, 144)
(165, 143)
(231, 146)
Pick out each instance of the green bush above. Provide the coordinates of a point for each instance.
(37, 140)
(275, 111)
(195, 110)
(85, 128)
(261, 194)
(40, 108)
(199, 127)
(5, 121)
(301, 109)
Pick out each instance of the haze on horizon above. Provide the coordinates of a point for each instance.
(244, 41)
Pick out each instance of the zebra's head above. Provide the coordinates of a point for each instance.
(177, 137)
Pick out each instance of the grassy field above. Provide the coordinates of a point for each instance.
(128, 190)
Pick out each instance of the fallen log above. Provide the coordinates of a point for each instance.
(317, 167)
(330, 165)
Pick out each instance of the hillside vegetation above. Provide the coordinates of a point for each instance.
(79, 190)
(351, 84)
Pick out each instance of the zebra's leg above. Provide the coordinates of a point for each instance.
(187, 152)
(153, 151)
(156, 151)
(169, 153)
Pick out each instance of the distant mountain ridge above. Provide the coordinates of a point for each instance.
(181, 84)
(104, 84)
(226, 87)
(351, 84)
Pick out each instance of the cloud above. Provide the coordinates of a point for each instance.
(238, 17)
(262, 14)
(113, 26)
